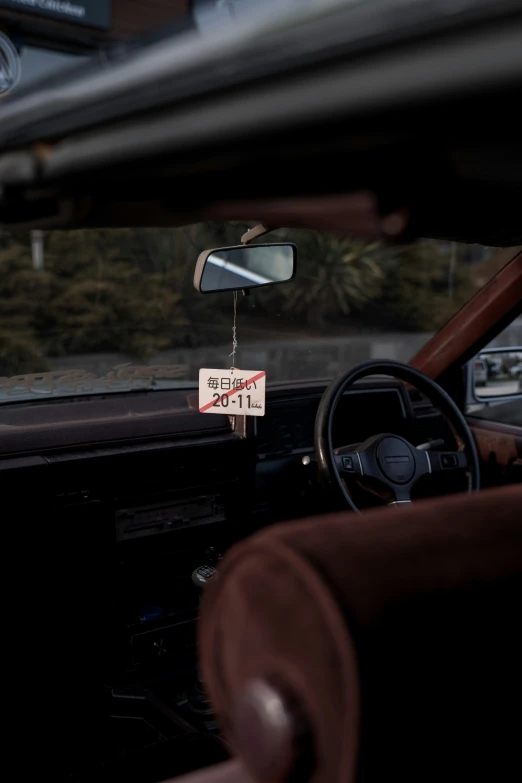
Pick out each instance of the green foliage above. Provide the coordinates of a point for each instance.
(417, 294)
(372, 285)
(337, 276)
(20, 354)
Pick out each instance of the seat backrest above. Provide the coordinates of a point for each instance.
(394, 636)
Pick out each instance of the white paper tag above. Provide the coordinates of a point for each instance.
(233, 392)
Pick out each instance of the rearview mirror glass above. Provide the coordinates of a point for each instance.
(244, 266)
(498, 373)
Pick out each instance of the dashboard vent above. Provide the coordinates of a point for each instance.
(421, 406)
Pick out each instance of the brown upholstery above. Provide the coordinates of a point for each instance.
(232, 771)
(398, 631)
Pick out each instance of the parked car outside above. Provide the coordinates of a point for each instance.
(480, 372)
(516, 370)
(494, 366)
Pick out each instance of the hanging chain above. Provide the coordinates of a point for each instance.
(234, 333)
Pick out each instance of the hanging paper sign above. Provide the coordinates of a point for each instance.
(234, 392)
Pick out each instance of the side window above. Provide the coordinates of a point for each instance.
(495, 378)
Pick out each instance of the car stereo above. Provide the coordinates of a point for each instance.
(151, 520)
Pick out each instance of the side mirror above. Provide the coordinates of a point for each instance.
(244, 266)
(497, 372)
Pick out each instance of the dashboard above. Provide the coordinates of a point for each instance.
(160, 473)
(155, 467)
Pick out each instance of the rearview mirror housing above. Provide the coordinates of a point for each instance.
(244, 266)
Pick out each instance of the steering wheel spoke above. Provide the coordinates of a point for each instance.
(446, 461)
(403, 496)
(348, 463)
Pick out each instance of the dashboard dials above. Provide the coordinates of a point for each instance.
(288, 426)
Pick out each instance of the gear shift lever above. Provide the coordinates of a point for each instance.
(197, 699)
(202, 575)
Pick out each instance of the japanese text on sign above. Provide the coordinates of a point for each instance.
(233, 392)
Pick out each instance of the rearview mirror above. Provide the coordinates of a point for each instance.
(244, 266)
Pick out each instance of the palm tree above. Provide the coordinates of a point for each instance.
(334, 278)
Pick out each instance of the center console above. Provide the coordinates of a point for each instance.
(106, 546)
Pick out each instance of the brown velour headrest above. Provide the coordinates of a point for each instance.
(397, 633)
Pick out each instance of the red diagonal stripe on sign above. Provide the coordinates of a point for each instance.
(232, 391)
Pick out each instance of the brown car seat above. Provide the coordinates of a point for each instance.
(383, 646)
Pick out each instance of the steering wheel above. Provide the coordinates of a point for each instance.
(388, 458)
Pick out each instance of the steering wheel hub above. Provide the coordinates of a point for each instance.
(396, 460)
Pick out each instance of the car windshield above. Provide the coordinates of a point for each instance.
(97, 311)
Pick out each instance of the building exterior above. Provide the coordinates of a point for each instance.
(39, 38)
(84, 25)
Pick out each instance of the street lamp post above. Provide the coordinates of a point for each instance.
(37, 249)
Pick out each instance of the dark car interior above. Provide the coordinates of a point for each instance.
(119, 509)
(123, 510)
